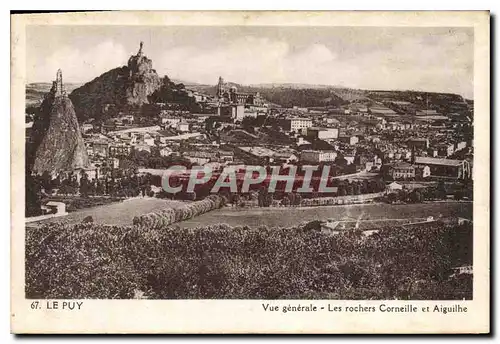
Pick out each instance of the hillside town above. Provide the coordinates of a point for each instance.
(150, 178)
(380, 136)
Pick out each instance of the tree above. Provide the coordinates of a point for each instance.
(248, 123)
(340, 161)
(285, 201)
(84, 185)
(298, 199)
(458, 195)
(342, 190)
(33, 203)
(415, 197)
(441, 190)
(46, 181)
(392, 197)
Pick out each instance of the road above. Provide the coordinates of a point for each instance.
(287, 217)
(122, 213)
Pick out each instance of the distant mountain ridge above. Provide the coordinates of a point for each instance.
(36, 91)
(131, 86)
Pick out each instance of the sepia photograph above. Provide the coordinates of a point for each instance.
(250, 162)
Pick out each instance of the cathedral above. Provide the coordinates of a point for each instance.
(230, 95)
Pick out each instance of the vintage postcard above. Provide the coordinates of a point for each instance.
(250, 172)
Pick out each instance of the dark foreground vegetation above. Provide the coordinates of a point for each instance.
(113, 262)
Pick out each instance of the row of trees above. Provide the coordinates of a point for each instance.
(440, 192)
(121, 185)
(187, 211)
(131, 184)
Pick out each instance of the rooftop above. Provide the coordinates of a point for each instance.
(437, 161)
(258, 151)
(299, 119)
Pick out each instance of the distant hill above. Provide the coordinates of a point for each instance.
(445, 103)
(293, 85)
(131, 86)
(288, 95)
(36, 91)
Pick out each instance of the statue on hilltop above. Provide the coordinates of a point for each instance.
(139, 53)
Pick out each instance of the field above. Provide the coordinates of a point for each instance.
(285, 217)
(123, 213)
(116, 213)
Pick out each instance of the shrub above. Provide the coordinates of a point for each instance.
(88, 219)
(113, 262)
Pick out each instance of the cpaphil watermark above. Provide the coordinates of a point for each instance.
(305, 179)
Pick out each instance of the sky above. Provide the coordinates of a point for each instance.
(384, 58)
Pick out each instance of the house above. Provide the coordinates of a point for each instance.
(373, 139)
(113, 162)
(461, 145)
(119, 150)
(256, 154)
(125, 119)
(427, 113)
(394, 186)
(432, 152)
(317, 156)
(447, 168)
(226, 156)
(297, 124)
(399, 170)
(350, 159)
(200, 117)
(170, 121)
(182, 127)
(351, 140)
(200, 158)
(381, 110)
(149, 140)
(339, 111)
(233, 111)
(86, 127)
(166, 151)
(142, 148)
(301, 141)
(322, 133)
(445, 149)
(395, 126)
(418, 143)
(422, 172)
(332, 121)
(248, 113)
(100, 148)
(298, 108)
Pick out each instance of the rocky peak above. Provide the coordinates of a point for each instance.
(139, 63)
(58, 143)
(57, 85)
(120, 87)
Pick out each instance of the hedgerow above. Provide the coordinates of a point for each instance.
(169, 216)
(220, 262)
